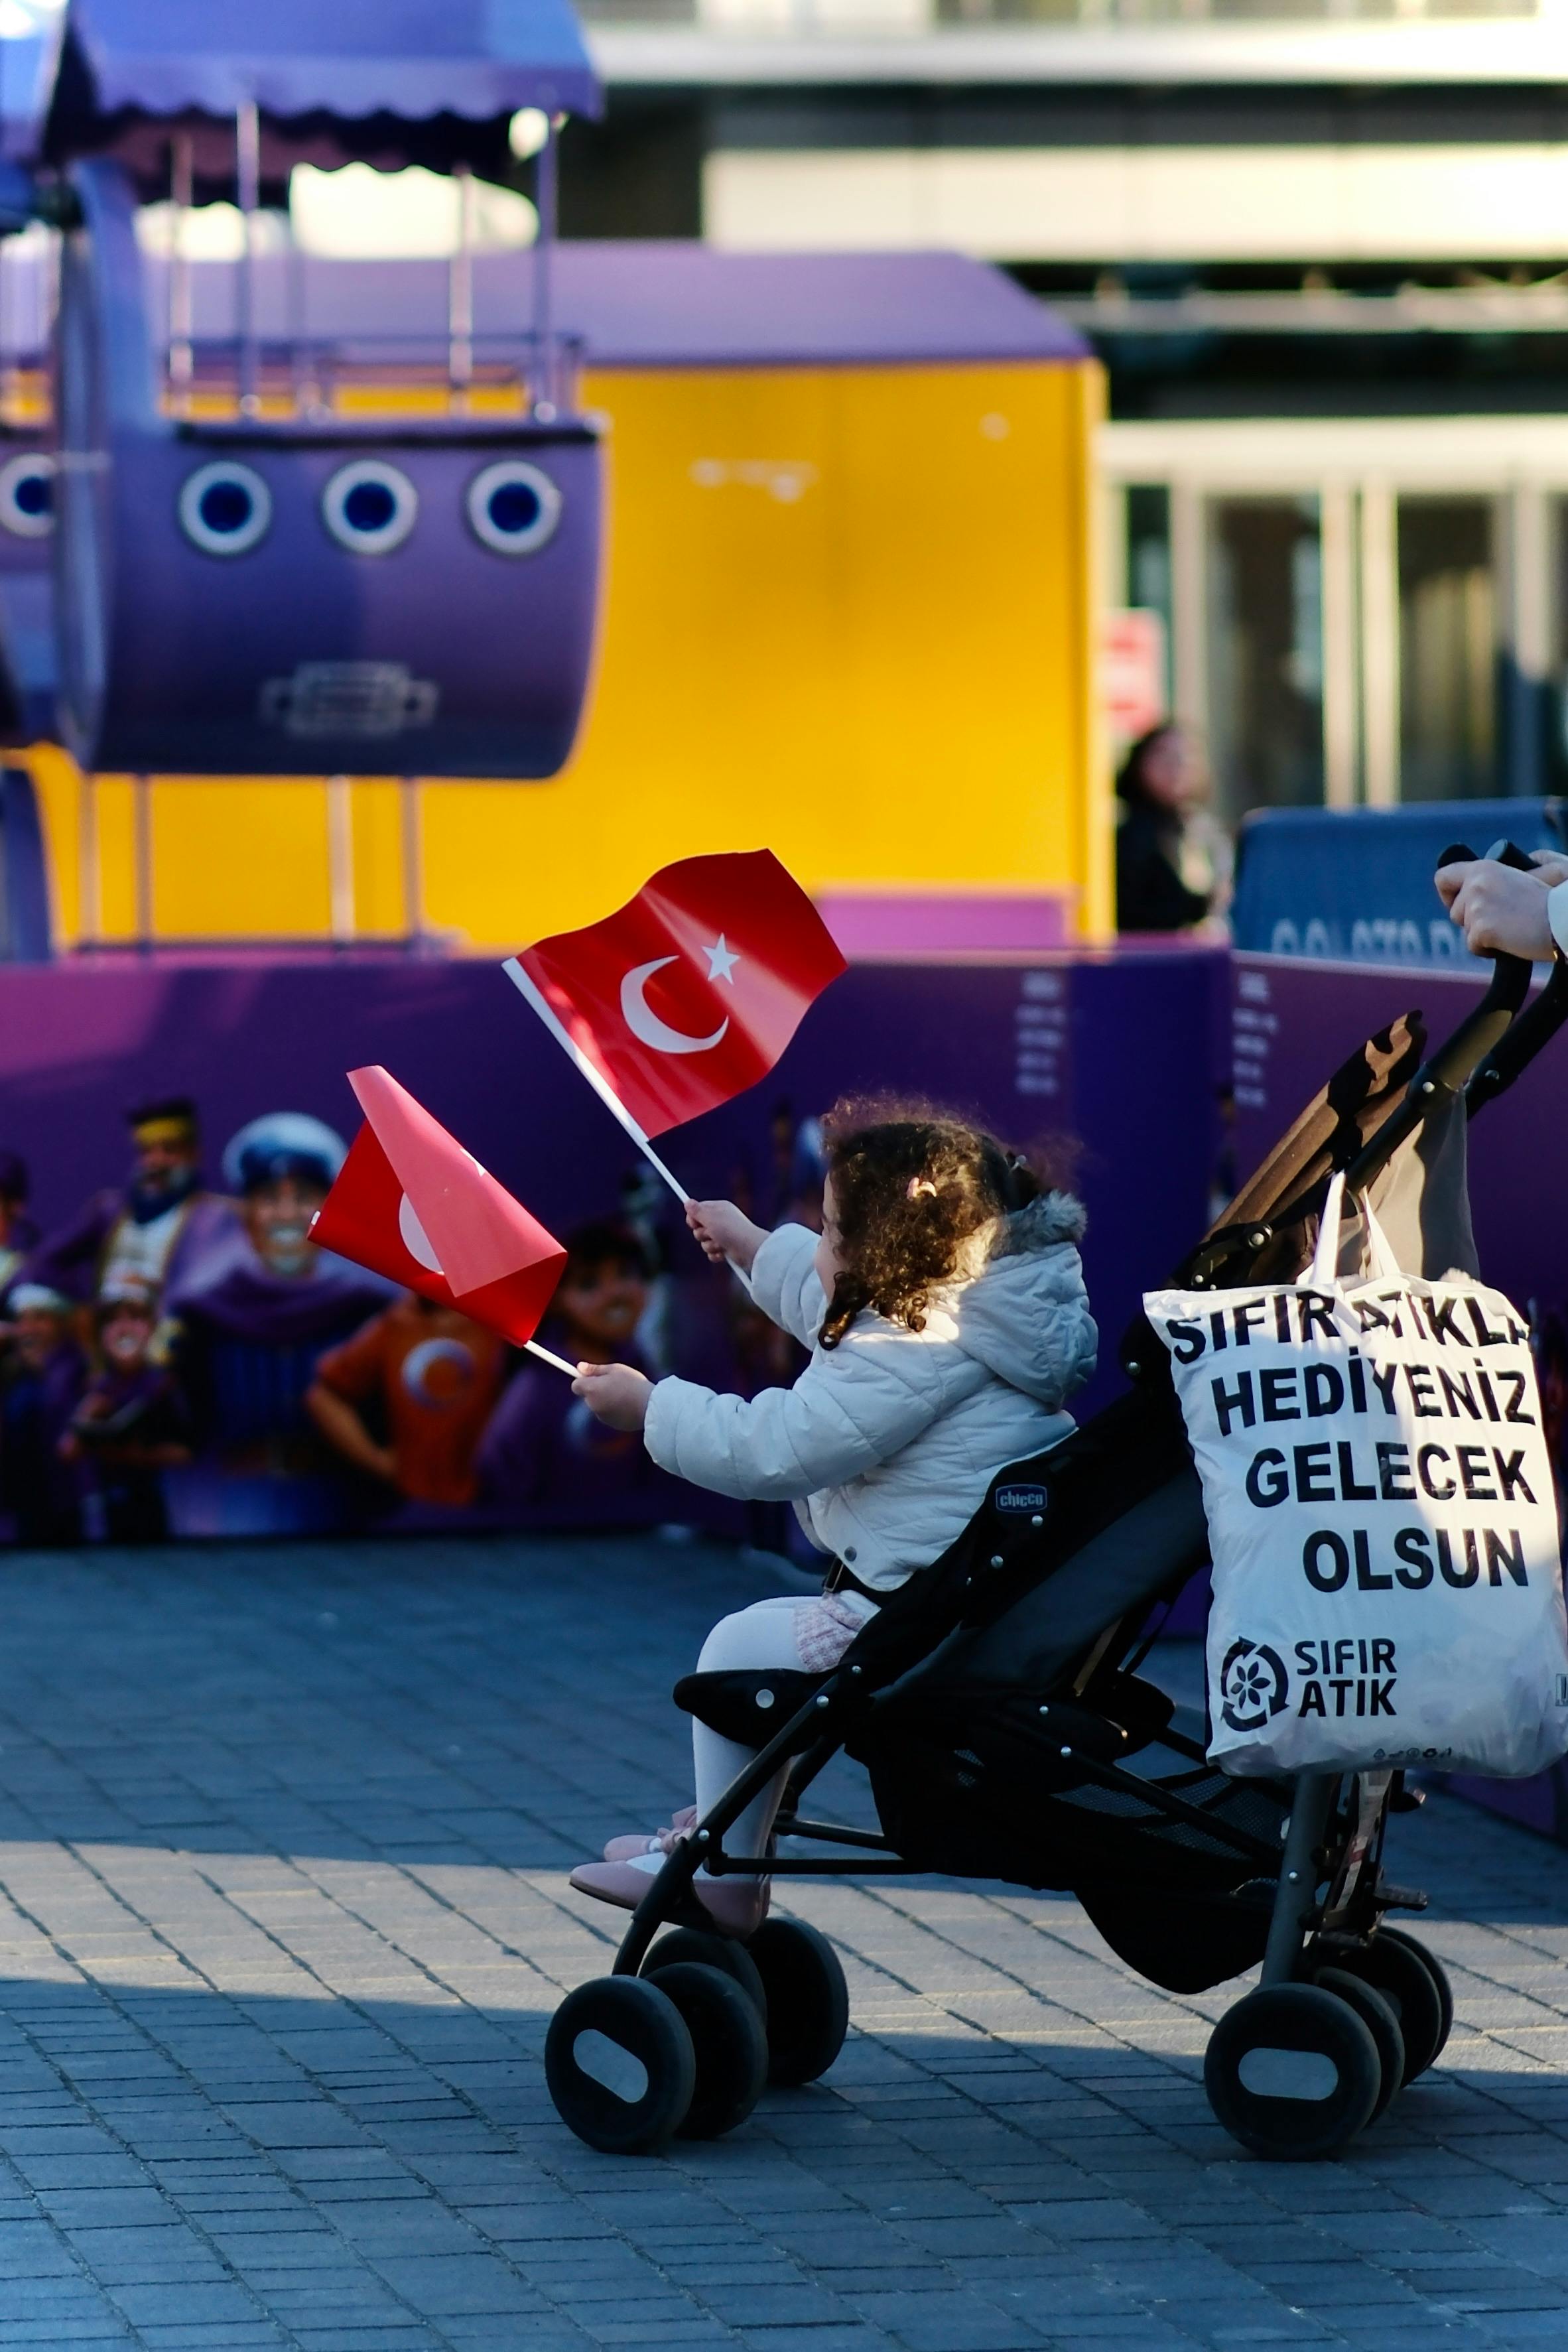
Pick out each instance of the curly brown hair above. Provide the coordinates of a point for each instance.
(911, 1185)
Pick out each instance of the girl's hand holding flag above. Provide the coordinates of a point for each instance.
(614, 1394)
(725, 1234)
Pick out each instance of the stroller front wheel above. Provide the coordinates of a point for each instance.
(720, 1952)
(1292, 2072)
(729, 2042)
(807, 1999)
(619, 2065)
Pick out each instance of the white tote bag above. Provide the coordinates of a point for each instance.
(1382, 1520)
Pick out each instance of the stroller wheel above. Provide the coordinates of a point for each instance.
(1381, 2019)
(1396, 1940)
(719, 1952)
(1292, 2072)
(807, 1999)
(730, 2042)
(1413, 1985)
(619, 2065)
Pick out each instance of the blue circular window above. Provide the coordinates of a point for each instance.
(27, 494)
(513, 508)
(225, 508)
(369, 507)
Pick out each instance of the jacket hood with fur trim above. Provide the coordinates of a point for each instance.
(1025, 1313)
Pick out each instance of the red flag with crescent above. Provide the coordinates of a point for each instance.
(691, 992)
(412, 1205)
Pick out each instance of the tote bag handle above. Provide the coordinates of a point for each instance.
(1324, 1274)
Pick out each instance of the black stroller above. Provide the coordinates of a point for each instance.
(996, 1704)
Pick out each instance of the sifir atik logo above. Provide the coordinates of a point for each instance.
(1254, 1685)
(1351, 1676)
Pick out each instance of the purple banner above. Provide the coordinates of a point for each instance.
(1120, 1053)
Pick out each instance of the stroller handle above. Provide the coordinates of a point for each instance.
(1485, 1054)
(1535, 1027)
(1447, 1072)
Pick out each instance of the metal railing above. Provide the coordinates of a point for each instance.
(314, 380)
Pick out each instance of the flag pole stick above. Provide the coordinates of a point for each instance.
(549, 1356)
(600, 1084)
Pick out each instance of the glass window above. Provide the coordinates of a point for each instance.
(1448, 649)
(1557, 737)
(1266, 654)
(1149, 557)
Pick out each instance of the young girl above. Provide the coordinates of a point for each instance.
(944, 1308)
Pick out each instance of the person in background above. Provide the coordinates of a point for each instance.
(150, 1231)
(407, 1400)
(259, 1306)
(1174, 858)
(544, 1452)
(1504, 911)
(18, 1234)
(130, 1427)
(42, 1377)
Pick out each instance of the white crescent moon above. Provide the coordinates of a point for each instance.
(416, 1240)
(644, 1021)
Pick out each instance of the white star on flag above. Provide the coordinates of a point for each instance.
(721, 960)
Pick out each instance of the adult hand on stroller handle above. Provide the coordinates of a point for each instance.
(1499, 901)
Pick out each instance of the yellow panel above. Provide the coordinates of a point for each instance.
(115, 824)
(379, 907)
(57, 782)
(847, 615)
(246, 860)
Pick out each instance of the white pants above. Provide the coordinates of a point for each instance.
(765, 1634)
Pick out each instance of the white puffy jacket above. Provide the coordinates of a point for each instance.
(886, 1443)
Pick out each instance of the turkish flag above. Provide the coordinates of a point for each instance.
(411, 1204)
(691, 992)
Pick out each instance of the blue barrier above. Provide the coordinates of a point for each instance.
(1355, 886)
(23, 873)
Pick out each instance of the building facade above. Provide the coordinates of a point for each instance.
(1319, 244)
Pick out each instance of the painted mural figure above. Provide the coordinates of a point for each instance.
(251, 1316)
(42, 1377)
(130, 1426)
(18, 1234)
(153, 1229)
(544, 1453)
(407, 1400)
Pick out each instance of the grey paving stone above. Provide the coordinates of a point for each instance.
(850, 2338)
(290, 1920)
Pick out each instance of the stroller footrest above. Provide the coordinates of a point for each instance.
(1400, 1898)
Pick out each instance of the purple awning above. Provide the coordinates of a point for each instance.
(29, 62)
(351, 61)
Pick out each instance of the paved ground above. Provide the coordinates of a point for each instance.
(283, 1917)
